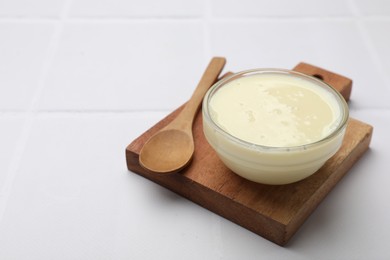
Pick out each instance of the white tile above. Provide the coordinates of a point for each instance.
(136, 8)
(10, 132)
(26, 8)
(265, 8)
(23, 49)
(378, 32)
(140, 65)
(373, 7)
(335, 45)
(73, 197)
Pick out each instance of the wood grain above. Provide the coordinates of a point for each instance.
(274, 212)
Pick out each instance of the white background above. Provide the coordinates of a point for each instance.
(79, 80)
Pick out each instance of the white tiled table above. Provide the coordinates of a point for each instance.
(81, 79)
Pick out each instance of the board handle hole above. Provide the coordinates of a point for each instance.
(318, 76)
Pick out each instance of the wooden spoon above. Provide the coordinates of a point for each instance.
(171, 148)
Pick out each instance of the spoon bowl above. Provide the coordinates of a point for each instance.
(178, 147)
(171, 149)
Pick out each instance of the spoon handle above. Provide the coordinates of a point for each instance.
(185, 119)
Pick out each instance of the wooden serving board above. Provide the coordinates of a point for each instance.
(274, 212)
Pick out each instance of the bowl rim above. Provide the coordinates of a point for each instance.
(340, 100)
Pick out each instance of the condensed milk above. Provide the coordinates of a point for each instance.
(275, 110)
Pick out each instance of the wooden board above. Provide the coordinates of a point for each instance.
(274, 212)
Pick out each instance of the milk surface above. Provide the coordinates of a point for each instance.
(275, 110)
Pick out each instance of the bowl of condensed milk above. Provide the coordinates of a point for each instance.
(274, 126)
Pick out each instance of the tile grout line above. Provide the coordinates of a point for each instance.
(368, 42)
(29, 20)
(30, 113)
(42, 112)
(206, 29)
(59, 113)
(207, 14)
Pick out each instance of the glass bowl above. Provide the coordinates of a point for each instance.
(274, 164)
